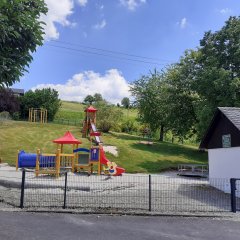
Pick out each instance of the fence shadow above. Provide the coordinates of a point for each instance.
(201, 196)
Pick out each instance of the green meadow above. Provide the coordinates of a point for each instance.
(133, 156)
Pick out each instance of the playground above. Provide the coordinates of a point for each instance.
(86, 174)
(80, 159)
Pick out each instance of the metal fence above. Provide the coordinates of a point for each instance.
(71, 122)
(129, 193)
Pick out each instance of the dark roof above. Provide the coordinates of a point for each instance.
(17, 90)
(232, 114)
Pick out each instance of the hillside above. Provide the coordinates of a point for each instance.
(74, 111)
(133, 156)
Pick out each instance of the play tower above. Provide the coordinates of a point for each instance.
(89, 121)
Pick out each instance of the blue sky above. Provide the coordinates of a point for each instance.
(82, 37)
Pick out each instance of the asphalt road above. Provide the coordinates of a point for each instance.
(23, 225)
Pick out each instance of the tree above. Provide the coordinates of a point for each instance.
(89, 99)
(149, 92)
(8, 102)
(205, 79)
(181, 98)
(218, 74)
(97, 97)
(20, 34)
(125, 102)
(44, 98)
(108, 116)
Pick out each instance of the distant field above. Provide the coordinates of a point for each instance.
(74, 111)
(133, 156)
(71, 111)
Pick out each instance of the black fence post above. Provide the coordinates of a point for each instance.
(65, 192)
(233, 194)
(22, 189)
(149, 193)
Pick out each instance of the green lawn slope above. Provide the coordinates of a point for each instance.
(74, 111)
(133, 156)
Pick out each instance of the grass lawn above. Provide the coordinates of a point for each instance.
(133, 156)
(71, 110)
(74, 111)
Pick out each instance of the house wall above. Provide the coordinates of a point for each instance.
(224, 163)
(222, 127)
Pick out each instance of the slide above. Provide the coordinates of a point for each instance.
(105, 161)
(97, 138)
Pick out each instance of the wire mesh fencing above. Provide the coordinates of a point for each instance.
(10, 189)
(168, 194)
(127, 193)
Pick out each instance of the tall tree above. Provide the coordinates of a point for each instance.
(98, 97)
(125, 102)
(89, 99)
(217, 73)
(149, 92)
(20, 34)
(180, 98)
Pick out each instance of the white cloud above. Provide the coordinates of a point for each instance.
(101, 24)
(82, 3)
(58, 12)
(225, 11)
(132, 4)
(112, 85)
(183, 23)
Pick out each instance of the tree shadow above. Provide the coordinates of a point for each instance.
(158, 166)
(173, 150)
(126, 136)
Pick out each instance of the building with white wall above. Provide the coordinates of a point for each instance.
(222, 139)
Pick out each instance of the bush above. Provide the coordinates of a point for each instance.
(45, 98)
(108, 116)
(16, 116)
(130, 126)
(5, 115)
(8, 102)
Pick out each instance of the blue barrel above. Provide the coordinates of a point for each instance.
(26, 159)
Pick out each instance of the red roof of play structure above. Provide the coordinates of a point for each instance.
(90, 109)
(68, 138)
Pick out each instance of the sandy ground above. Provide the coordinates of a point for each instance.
(111, 149)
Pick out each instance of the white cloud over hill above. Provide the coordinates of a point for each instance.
(112, 85)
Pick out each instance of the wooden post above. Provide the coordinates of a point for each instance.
(17, 160)
(41, 116)
(34, 115)
(73, 163)
(58, 156)
(38, 162)
(46, 116)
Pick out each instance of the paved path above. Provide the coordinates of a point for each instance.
(22, 225)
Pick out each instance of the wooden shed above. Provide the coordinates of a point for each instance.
(222, 139)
